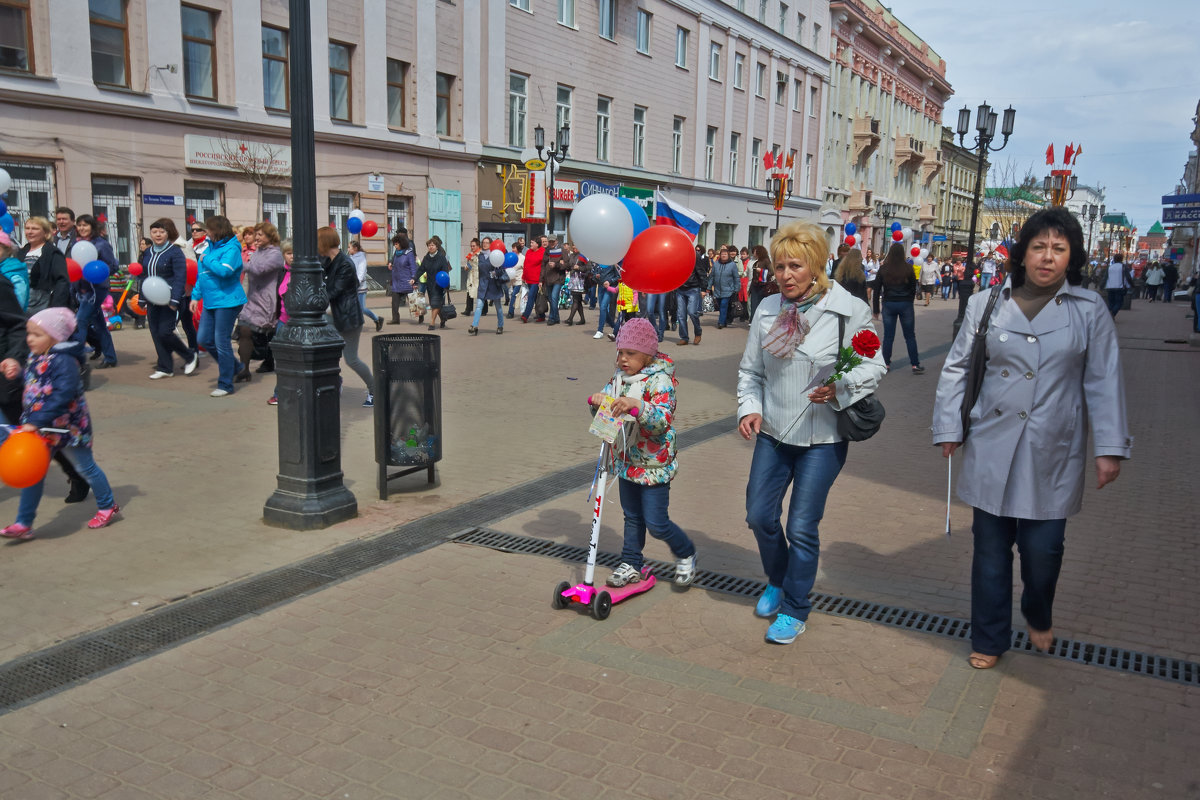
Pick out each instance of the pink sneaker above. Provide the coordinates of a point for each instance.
(17, 531)
(103, 518)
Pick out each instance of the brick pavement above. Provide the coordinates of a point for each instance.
(447, 675)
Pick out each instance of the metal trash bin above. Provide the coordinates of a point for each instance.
(408, 404)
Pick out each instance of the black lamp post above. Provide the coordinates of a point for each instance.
(310, 493)
(553, 157)
(1093, 211)
(779, 190)
(953, 226)
(888, 212)
(985, 132)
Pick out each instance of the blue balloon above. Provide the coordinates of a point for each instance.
(6, 223)
(95, 271)
(896, 226)
(3, 208)
(851, 229)
(354, 225)
(443, 279)
(638, 214)
(510, 260)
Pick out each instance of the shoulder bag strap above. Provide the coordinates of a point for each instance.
(986, 322)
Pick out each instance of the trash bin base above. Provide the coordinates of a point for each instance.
(385, 476)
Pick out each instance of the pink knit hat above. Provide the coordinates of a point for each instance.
(638, 334)
(58, 323)
(5, 239)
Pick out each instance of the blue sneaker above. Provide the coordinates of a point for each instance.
(769, 602)
(784, 629)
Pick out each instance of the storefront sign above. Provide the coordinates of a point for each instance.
(535, 164)
(232, 154)
(162, 199)
(1174, 199)
(1181, 214)
(533, 205)
(374, 183)
(587, 188)
(565, 194)
(643, 197)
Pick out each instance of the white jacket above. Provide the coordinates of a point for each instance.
(775, 387)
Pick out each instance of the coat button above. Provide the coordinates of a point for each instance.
(1058, 300)
(1022, 414)
(1031, 339)
(1028, 376)
(1003, 373)
(998, 412)
(1004, 337)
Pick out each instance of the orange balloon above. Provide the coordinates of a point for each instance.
(24, 458)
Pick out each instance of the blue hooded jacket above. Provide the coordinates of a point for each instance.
(15, 270)
(219, 277)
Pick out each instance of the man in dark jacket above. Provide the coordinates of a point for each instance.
(690, 295)
(554, 274)
(1170, 279)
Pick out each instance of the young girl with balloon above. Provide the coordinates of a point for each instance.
(53, 399)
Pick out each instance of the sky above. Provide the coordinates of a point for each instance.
(1120, 79)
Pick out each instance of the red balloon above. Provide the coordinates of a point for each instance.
(498, 244)
(916, 251)
(370, 228)
(135, 269)
(24, 457)
(192, 271)
(897, 236)
(660, 259)
(74, 271)
(850, 240)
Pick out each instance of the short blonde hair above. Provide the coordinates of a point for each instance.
(805, 242)
(42, 223)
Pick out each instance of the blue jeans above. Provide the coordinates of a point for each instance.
(216, 328)
(688, 305)
(904, 310)
(723, 309)
(90, 316)
(1040, 543)
(589, 294)
(362, 303)
(789, 556)
(496, 304)
(530, 300)
(1116, 299)
(514, 290)
(81, 458)
(656, 312)
(606, 300)
(555, 291)
(1196, 312)
(646, 507)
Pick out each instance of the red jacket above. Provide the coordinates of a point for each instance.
(532, 273)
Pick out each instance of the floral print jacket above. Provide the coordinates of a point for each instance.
(649, 455)
(54, 396)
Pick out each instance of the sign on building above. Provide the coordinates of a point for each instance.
(234, 154)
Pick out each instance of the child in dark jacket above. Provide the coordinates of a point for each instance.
(54, 399)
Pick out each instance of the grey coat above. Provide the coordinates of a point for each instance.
(1046, 378)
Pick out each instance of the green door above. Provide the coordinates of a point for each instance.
(445, 221)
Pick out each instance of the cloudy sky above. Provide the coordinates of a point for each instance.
(1122, 79)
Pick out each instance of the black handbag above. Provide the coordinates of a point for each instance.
(977, 365)
(860, 421)
(448, 311)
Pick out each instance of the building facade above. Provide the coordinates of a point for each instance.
(883, 150)
(424, 111)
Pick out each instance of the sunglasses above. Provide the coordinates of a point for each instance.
(197, 230)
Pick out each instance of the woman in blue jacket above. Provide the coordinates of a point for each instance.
(219, 288)
(89, 319)
(164, 259)
(404, 273)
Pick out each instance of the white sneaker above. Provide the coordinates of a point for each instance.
(624, 574)
(158, 374)
(685, 570)
(190, 367)
(218, 393)
(599, 335)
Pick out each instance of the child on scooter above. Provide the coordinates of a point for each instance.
(644, 388)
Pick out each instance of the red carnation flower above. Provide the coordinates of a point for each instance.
(865, 343)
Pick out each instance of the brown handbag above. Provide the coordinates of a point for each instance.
(978, 363)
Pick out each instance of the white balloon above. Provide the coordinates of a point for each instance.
(156, 290)
(83, 252)
(907, 232)
(924, 253)
(358, 214)
(496, 257)
(601, 228)
(5, 180)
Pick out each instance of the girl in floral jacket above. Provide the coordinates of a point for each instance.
(644, 387)
(54, 399)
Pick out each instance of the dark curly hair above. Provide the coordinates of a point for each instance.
(1062, 222)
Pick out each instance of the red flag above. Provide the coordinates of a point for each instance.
(1050, 154)
(1067, 153)
(1078, 150)
(779, 161)
(768, 161)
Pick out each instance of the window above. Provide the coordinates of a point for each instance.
(445, 84)
(397, 77)
(681, 47)
(517, 85)
(340, 204)
(760, 79)
(725, 233)
(797, 95)
(201, 200)
(112, 200)
(762, 11)
(603, 108)
(277, 209)
(735, 145)
(816, 36)
(783, 12)
(397, 213)
(608, 19)
(199, 53)
(677, 145)
(714, 61)
(15, 35)
(521, 4)
(339, 81)
(31, 193)
(562, 109)
(643, 31)
(110, 42)
(566, 12)
(807, 170)
(758, 233)
(755, 161)
(639, 136)
(739, 67)
(710, 153)
(275, 68)
(812, 101)
(780, 88)
(799, 26)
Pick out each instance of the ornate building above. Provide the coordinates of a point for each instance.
(883, 149)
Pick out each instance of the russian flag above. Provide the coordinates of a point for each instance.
(668, 213)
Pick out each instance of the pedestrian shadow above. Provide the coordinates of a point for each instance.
(57, 520)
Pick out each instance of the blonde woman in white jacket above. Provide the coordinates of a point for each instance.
(792, 336)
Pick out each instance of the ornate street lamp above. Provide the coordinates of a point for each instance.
(779, 191)
(985, 132)
(1093, 211)
(1059, 188)
(553, 157)
(888, 212)
(953, 225)
(310, 493)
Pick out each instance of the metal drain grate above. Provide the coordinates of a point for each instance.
(1115, 658)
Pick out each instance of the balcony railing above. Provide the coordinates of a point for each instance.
(866, 138)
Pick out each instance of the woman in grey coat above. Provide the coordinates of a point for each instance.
(1052, 367)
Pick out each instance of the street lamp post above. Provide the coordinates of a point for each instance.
(310, 493)
(779, 190)
(888, 212)
(553, 156)
(1093, 211)
(1059, 188)
(953, 226)
(985, 127)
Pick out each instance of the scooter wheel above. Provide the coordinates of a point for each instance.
(601, 605)
(559, 601)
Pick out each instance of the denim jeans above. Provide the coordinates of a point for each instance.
(789, 555)
(362, 303)
(1040, 544)
(723, 310)
(646, 507)
(656, 312)
(555, 291)
(81, 458)
(589, 295)
(216, 328)
(350, 355)
(90, 316)
(606, 300)
(688, 306)
(904, 310)
(496, 304)
(1116, 299)
(530, 300)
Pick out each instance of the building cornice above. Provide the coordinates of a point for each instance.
(747, 27)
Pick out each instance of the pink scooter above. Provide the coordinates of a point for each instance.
(599, 601)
